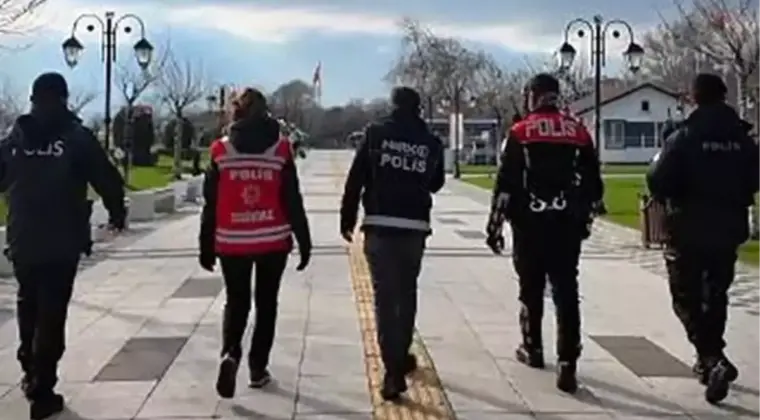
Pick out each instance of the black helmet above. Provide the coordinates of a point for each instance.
(543, 83)
(50, 85)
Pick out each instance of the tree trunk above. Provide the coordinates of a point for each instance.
(178, 128)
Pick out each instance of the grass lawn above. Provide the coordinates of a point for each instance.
(621, 198)
(147, 177)
(607, 169)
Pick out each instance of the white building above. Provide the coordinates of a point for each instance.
(632, 120)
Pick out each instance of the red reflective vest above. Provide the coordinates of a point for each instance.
(250, 214)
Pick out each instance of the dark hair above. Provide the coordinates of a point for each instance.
(406, 98)
(249, 101)
(543, 83)
(708, 88)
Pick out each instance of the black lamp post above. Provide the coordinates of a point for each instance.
(72, 50)
(633, 54)
(455, 104)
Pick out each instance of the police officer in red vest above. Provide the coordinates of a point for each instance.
(253, 208)
(547, 183)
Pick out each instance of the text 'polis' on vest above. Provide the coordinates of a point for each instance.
(554, 128)
(404, 156)
(255, 174)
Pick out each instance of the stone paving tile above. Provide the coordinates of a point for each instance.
(112, 400)
(142, 359)
(340, 393)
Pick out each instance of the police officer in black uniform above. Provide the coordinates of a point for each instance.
(46, 163)
(707, 175)
(547, 184)
(395, 170)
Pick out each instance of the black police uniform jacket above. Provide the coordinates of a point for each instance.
(546, 154)
(44, 173)
(707, 174)
(396, 168)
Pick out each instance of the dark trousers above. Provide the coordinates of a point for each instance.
(699, 283)
(541, 254)
(394, 262)
(237, 273)
(44, 293)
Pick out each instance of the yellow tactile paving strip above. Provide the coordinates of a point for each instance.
(425, 398)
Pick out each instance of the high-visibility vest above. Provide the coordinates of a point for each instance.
(250, 214)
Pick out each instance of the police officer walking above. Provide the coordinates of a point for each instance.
(46, 163)
(253, 207)
(394, 172)
(707, 175)
(547, 184)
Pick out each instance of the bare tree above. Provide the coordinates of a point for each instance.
(500, 89)
(80, 99)
(16, 16)
(293, 101)
(723, 32)
(11, 105)
(132, 82)
(436, 66)
(181, 84)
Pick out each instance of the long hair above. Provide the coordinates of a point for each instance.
(243, 104)
(246, 103)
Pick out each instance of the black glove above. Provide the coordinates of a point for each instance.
(494, 234)
(347, 230)
(598, 208)
(496, 243)
(88, 248)
(305, 252)
(117, 222)
(207, 260)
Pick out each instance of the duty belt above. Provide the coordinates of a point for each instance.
(558, 202)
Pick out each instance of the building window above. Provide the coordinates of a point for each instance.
(614, 134)
(640, 134)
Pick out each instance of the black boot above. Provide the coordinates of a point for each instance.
(702, 373)
(45, 406)
(225, 382)
(530, 352)
(27, 385)
(393, 387)
(719, 373)
(259, 378)
(533, 357)
(566, 377)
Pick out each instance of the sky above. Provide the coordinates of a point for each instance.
(268, 42)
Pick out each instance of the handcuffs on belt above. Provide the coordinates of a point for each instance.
(538, 205)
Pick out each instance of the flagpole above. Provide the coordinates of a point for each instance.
(317, 84)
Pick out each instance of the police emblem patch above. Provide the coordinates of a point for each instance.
(251, 195)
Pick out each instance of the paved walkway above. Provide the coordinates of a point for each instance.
(144, 331)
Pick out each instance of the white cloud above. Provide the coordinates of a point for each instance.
(281, 25)
(284, 24)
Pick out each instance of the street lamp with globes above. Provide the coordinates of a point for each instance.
(634, 54)
(72, 51)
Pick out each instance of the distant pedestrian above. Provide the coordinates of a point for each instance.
(396, 169)
(46, 163)
(253, 208)
(707, 174)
